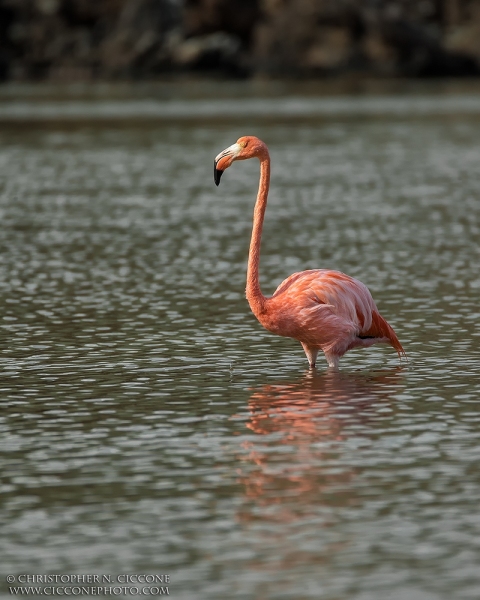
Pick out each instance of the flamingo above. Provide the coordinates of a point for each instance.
(322, 309)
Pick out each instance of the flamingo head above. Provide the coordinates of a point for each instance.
(245, 147)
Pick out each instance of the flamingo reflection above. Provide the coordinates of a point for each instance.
(306, 431)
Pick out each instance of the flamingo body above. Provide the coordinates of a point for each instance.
(326, 310)
(322, 309)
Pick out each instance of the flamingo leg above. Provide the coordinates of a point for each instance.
(332, 360)
(311, 354)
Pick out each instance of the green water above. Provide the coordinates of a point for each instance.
(150, 425)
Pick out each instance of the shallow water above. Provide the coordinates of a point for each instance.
(150, 425)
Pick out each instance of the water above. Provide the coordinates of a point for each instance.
(150, 425)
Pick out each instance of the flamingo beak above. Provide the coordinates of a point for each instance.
(217, 174)
(223, 161)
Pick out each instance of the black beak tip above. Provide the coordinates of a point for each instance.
(217, 174)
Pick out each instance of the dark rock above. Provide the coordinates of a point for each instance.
(214, 52)
(420, 54)
(84, 39)
(235, 17)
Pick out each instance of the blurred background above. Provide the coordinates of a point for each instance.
(82, 40)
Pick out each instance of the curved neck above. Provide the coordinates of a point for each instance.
(254, 294)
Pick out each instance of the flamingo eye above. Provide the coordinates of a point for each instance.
(243, 144)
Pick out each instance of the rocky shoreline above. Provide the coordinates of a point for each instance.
(86, 40)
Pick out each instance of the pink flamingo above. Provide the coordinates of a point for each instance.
(322, 309)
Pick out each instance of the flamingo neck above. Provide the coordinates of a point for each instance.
(254, 294)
